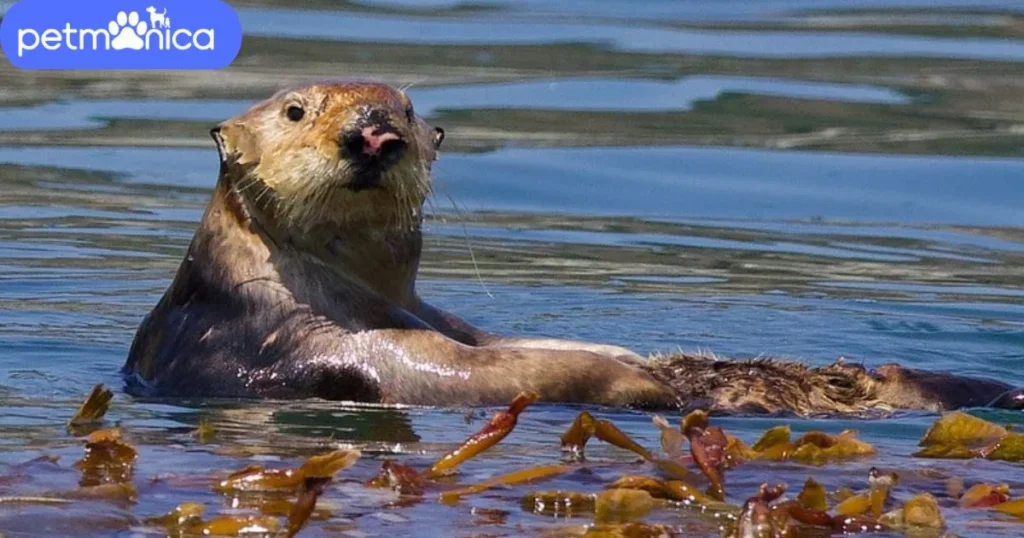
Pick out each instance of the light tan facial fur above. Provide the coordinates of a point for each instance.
(295, 172)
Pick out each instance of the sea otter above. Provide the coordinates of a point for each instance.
(300, 282)
(301, 278)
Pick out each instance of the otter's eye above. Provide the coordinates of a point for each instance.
(438, 137)
(410, 115)
(295, 112)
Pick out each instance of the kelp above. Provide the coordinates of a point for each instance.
(1013, 508)
(311, 490)
(499, 426)
(872, 502)
(559, 503)
(760, 518)
(985, 496)
(813, 448)
(620, 505)
(108, 459)
(256, 478)
(813, 496)
(116, 493)
(184, 516)
(406, 480)
(673, 490)
(585, 426)
(403, 479)
(530, 474)
(707, 447)
(92, 410)
(962, 429)
(920, 511)
(187, 518)
(671, 438)
(755, 520)
(281, 502)
(958, 435)
(237, 526)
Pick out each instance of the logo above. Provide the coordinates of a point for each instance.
(125, 34)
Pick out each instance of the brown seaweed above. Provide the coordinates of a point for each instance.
(530, 474)
(958, 435)
(108, 459)
(491, 434)
(671, 438)
(403, 479)
(586, 426)
(985, 496)
(707, 446)
(92, 410)
(620, 505)
(559, 503)
(311, 490)
(256, 478)
(813, 448)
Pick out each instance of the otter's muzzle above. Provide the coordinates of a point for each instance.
(371, 145)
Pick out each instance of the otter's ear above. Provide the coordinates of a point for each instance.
(235, 143)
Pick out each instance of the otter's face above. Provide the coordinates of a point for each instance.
(334, 153)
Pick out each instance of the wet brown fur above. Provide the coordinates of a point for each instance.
(788, 387)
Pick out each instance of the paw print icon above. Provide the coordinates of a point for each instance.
(126, 31)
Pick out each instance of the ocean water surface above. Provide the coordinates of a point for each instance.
(781, 178)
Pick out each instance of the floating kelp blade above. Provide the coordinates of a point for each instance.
(671, 438)
(311, 490)
(755, 520)
(707, 446)
(920, 511)
(619, 505)
(521, 476)
(93, 409)
(1014, 508)
(257, 478)
(674, 490)
(499, 426)
(958, 435)
(985, 496)
(813, 496)
(813, 448)
(586, 426)
(558, 503)
(108, 459)
(403, 479)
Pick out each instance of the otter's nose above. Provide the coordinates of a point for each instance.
(374, 144)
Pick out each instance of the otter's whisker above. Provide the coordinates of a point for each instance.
(469, 242)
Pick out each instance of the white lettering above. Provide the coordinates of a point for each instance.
(159, 39)
(207, 32)
(96, 34)
(96, 39)
(22, 46)
(51, 39)
(179, 46)
(68, 31)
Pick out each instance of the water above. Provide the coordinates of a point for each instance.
(776, 177)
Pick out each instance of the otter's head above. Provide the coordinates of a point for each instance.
(331, 154)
